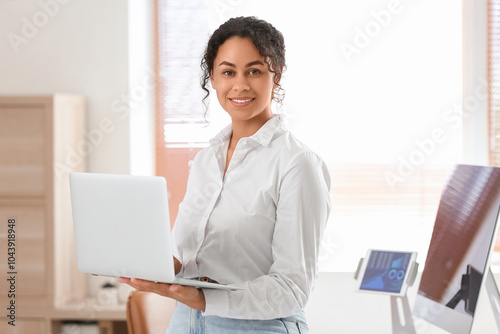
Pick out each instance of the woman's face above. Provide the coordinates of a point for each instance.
(242, 81)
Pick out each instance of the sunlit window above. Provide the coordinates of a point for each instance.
(374, 87)
(494, 79)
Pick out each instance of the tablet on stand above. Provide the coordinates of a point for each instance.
(390, 273)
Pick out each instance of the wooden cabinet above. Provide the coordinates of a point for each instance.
(42, 139)
(36, 134)
(24, 150)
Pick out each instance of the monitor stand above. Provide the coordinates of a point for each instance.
(402, 318)
(469, 290)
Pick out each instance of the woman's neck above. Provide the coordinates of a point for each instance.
(242, 129)
(247, 128)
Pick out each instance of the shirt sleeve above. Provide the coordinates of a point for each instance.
(302, 212)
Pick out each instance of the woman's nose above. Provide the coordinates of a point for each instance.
(241, 83)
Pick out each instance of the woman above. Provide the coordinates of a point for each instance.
(257, 200)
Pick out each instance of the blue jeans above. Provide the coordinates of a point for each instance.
(186, 320)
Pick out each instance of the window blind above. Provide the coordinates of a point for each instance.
(494, 87)
(181, 34)
(494, 80)
(361, 190)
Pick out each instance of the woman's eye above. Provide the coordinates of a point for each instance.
(227, 73)
(254, 71)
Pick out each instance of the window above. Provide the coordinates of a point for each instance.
(182, 34)
(494, 87)
(371, 86)
(494, 80)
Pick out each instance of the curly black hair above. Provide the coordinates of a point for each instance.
(266, 38)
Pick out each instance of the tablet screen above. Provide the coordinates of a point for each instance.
(385, 271)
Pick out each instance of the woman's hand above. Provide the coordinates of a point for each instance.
(191, 296)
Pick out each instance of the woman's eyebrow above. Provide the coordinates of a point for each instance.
(227, 64)
(255, 62)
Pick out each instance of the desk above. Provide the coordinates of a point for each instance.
(335, 307)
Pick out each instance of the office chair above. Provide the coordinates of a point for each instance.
(148, 313)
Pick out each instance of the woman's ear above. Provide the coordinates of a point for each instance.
(277, 77)
(276, 80)
(212, 82)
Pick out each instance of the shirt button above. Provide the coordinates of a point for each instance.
(243, 142)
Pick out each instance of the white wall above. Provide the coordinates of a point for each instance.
(73, 46)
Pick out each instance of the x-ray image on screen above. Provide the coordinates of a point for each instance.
(462, 239)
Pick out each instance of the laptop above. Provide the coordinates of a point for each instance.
(122, 228)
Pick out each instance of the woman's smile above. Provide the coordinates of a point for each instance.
(241, 101)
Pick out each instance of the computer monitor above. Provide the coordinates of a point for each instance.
(462, 240)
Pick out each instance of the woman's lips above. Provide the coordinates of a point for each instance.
(241, 101)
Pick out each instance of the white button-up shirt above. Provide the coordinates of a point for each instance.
(259, 226)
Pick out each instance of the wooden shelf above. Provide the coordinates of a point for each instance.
(88, 310)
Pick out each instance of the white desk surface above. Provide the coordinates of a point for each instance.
(335, 307)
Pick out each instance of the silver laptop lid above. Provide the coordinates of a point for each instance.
(122, 226)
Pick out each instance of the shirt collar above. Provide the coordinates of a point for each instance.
(263, 136)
